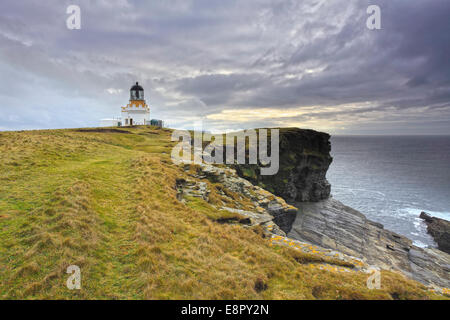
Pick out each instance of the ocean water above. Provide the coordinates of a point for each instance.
(392, 179)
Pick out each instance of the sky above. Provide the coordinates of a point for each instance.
(229, 64)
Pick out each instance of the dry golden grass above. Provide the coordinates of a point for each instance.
(105, 200)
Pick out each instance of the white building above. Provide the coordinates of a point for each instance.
(137, 112)
(111, 122)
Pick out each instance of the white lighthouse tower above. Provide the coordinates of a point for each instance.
(137, 112)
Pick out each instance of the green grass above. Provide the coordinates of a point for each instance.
(105, 200)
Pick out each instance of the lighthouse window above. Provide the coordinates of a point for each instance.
(138, 95)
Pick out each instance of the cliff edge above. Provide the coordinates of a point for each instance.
(439, 229)
(322, 221)
(111, 201)
(304, 161)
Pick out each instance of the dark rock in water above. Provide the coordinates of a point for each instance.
(330, 224)
(439, 229)
(304, 161)
(425, 216)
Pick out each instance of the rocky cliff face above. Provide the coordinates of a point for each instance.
(325, 222)
(331, 224)
(304, 161)
(262, 207)
(439, 229)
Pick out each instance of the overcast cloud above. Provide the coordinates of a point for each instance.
(232, 64)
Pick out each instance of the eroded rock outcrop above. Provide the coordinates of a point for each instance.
(304, 161)
(439, 229)
(320, 221)
(323, 221)
(264, 208)
(331, 224)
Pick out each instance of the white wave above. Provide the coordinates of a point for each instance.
(419, 244)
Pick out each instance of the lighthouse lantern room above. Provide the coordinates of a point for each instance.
(137, 112)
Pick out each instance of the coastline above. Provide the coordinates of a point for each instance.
(392, 179)
(321, 220)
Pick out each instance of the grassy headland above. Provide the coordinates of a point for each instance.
(105, 200)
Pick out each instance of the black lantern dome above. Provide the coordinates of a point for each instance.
(136, 92)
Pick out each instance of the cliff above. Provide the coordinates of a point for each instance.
(439, 229)
(304, 161)
(333, 225)
(323, 221)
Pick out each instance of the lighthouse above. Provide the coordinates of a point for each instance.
(136, 112)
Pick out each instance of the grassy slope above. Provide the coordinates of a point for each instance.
(106, 202)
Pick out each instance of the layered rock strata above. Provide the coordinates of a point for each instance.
(331, 224)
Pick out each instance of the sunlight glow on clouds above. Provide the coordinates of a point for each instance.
(114, 91)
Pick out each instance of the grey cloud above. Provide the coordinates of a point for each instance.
(197, 58)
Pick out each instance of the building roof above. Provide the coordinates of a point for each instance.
(136, 87)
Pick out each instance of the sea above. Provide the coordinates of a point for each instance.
(392, 179)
